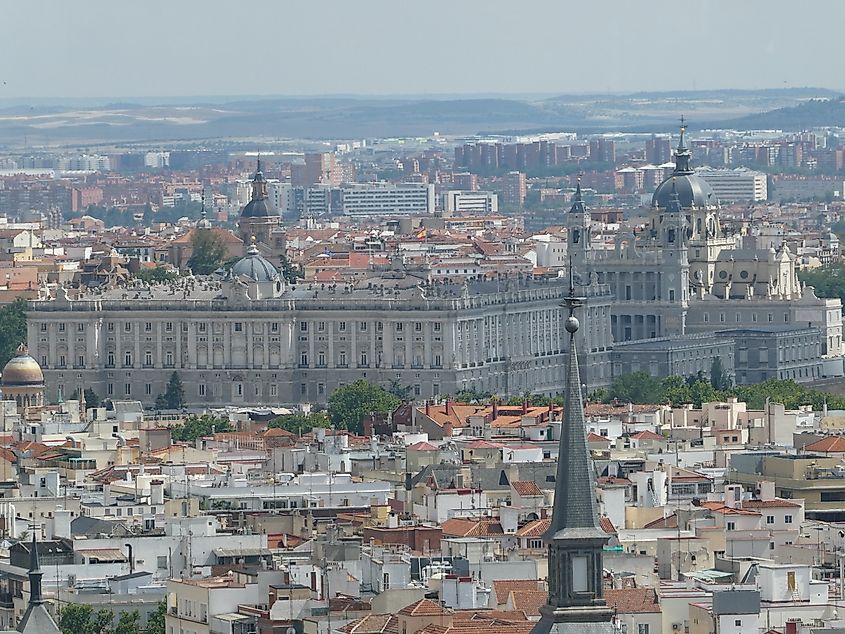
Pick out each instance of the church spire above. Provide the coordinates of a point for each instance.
(35, 574)
(578, 206)
(683, 154)
(575, 512)
(575, 540)
(259, 183)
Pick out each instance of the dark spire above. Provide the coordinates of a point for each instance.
(674, 200)
(683, 154)
(259, 183)
(575, 513)
(35, 574)
(578, 206)
(576, 604)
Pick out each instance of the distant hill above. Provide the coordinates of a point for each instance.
(810, 114)
(344, 117)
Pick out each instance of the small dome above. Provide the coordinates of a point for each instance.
(254, 267)
(257, 209)
(22, 370)
(259, 205)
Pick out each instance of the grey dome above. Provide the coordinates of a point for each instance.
(254, 267)
(693, 191)
(257, 209)
(690, 188)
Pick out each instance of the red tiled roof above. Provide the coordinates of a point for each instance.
(831, 444)
(632, 600)
(670, 521)
(422, 446)
(373, 624)
(613, 480)
(423, 607)
(647, 435)
(463, 527)
(607, 526)
(526, 487)
(594, 437)
(502, 588)
(537, 528)
(769, 504)
(718, 507)
(529, 601)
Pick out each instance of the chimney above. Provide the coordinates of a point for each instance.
(525, 406)
(449, 409)
(495, 409)
(427, 408)
(156, 492)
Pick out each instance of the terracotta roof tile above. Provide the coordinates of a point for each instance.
(464, 527)
(831, 444)
(664, 522)
(502, 588)
(632, 600)
(537, 528)
(607, 526)
(373, 624)
(529, 601)
(423, 607)
(769, 504)
(526, 487)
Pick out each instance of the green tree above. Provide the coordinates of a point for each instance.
(174, 395)
(402, 392)
(207, 252)
(300, 423)
(720, 379)
(828, 281)
(677, 391)
(128, 623)
(198, 427)
(92, 399)
(12, 329)
(349, 403)
(76, 618)
(155, 624)
(157, 274)
(290, 271)
(637, 387)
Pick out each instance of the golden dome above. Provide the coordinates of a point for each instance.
(22, 370)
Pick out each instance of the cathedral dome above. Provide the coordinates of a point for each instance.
(22, 370)
(692, 190)
(254, 267)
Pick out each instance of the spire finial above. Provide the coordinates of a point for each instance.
(682, 154)
(578, 206)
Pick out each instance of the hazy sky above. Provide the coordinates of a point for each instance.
(108, 48)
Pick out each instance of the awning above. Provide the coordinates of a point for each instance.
(103, 555)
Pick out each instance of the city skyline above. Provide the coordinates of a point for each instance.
(412, 50)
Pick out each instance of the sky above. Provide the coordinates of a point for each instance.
(180, 48)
